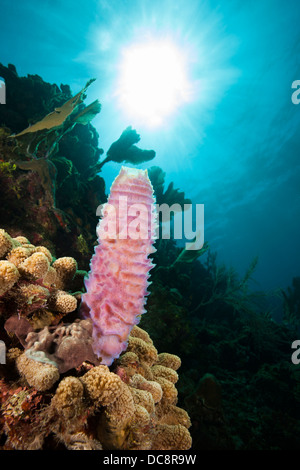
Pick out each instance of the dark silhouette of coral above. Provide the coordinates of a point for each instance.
(124, 150)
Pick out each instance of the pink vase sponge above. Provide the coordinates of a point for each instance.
(116, 287)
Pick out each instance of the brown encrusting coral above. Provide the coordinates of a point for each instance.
(65, 346)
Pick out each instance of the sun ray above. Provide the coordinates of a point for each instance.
(153, 81)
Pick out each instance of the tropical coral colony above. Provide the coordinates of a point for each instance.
(54, 391)
(132, 407)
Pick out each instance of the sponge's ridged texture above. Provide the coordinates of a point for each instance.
(118, 279)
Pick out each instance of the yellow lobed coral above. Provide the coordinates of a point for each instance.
(9, 275)
(115, 420)
(141, 416)
(63, 302)
(130, 411)
(39, 375)
(68, 398)
(168, 437)
(50, 277)
(151, 420)
(35, 266)
(143, 398)
(30, 282)
(35, 262)
(146, 352)
(165, 372)
(22, 240)
(121, 410)
(18, 255)
(138, 332)
(139, 382)
(6, 243)
(102, 386)
(169, 390)
(169, 360)
(12, 355)
(65, 268)
(43, 249)
(171, 414)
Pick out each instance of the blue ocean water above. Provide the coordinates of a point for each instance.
(234, 147)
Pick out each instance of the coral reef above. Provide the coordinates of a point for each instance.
(47, 132)
(44, 168)
(54, 394)
(19, 415)
(53, 166)
(133, 407)
(9, 275)
(65, 346)
(117, 283)
(30, 285)
(204, 313)
(39, 375)
(22, 109)
(208, 316)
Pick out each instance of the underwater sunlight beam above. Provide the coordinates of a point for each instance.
(153, 81)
